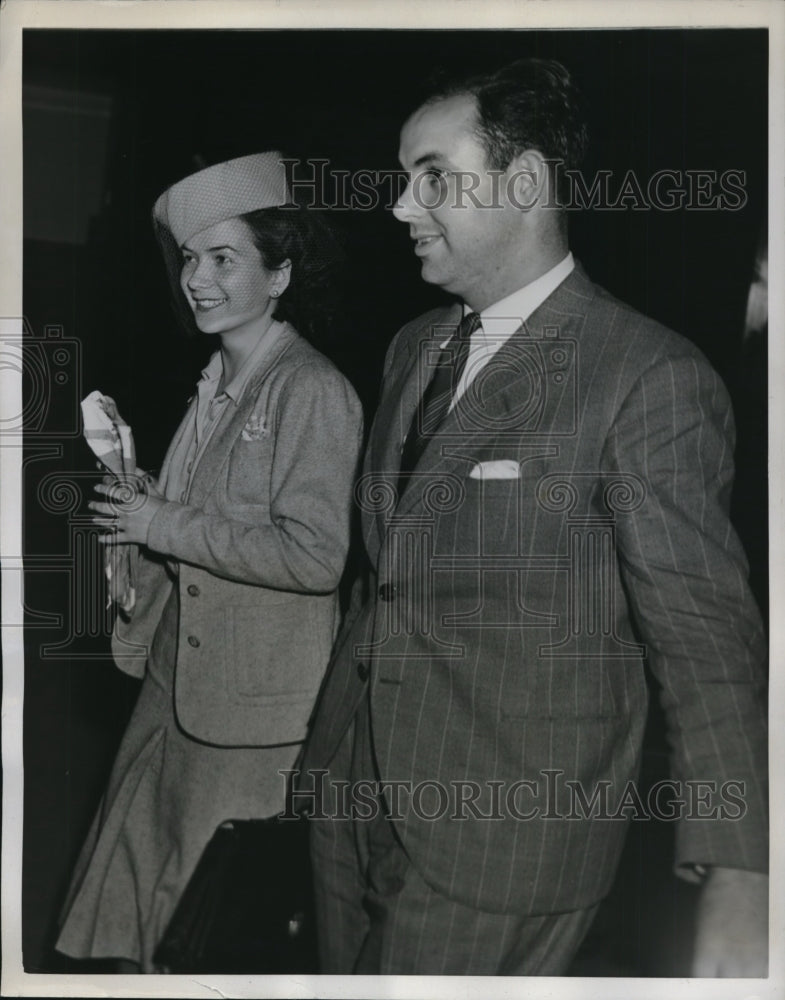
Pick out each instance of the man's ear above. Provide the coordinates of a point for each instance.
(528, 180)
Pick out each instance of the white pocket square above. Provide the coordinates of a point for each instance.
(503, 468)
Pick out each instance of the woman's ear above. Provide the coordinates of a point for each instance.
(282, 275)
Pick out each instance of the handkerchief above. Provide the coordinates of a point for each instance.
(108, 434)
(255, 428)
(111, 440)
(502, 468)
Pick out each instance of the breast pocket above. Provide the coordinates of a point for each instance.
(483, 521)
(249, 472)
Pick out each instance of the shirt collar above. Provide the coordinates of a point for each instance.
(234, 390)
(509, 313)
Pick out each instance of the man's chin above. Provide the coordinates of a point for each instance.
(434, 275)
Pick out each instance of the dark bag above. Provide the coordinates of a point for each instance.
(248, 907)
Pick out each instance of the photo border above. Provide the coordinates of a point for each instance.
(120, 15)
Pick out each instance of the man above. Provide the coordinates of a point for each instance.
(544, 505)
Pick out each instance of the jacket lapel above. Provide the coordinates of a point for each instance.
(404, 394)
(232, 421)
(509, 380)
(396, 411)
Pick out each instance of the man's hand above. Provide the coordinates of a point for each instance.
(732, 932)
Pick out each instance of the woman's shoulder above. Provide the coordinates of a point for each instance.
(303, 366)
(300, 350)
(300, 354)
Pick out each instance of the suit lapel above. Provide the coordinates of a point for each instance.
(509, 380)
(401, 401)
(396, 410)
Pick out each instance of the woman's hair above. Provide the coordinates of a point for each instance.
(292, 233)
(305, 238)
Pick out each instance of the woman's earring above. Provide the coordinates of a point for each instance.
(274, 294)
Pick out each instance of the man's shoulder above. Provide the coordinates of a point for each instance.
(617, 325)
(624, 340)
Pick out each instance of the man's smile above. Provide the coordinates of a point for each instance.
(423, 243)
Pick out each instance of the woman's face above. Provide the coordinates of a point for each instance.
(225, 281)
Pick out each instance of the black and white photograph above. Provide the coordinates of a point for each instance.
(388, 451)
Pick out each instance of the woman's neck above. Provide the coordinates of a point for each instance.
(238, 345)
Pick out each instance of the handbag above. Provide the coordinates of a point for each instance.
(248, 907)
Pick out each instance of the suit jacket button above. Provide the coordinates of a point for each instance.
(363, 671)
(387, 591)
(193, 590)
(193, 641)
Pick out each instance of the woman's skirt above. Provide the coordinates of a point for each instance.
(167, 795)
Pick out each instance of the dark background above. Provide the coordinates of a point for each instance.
(113, 118)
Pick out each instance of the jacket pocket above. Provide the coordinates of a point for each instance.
(578, 690)
(272, 653)
(248, 473)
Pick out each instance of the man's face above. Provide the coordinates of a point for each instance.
(469, 241)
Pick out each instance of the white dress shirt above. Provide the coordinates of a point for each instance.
(501, 319)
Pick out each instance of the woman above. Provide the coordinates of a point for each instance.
(237, 554)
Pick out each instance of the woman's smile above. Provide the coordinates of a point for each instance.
(202, 305)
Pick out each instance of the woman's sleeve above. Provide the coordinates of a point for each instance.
(302, 545)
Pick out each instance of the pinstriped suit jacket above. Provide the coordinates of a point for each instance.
(509, 618)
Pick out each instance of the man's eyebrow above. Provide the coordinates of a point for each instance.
(427, 158)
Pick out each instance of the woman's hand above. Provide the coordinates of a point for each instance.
(145, 482)
(133, 503)
(149, 484)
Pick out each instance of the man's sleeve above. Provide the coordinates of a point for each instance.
(685, 575)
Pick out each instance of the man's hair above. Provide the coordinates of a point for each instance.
(529, 104)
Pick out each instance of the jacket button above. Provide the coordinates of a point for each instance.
(193, 590)
(363, 671)
(387, 591)
(193, 641)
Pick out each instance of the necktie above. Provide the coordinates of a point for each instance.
(435, 402)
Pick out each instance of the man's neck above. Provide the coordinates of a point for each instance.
(521, 270)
